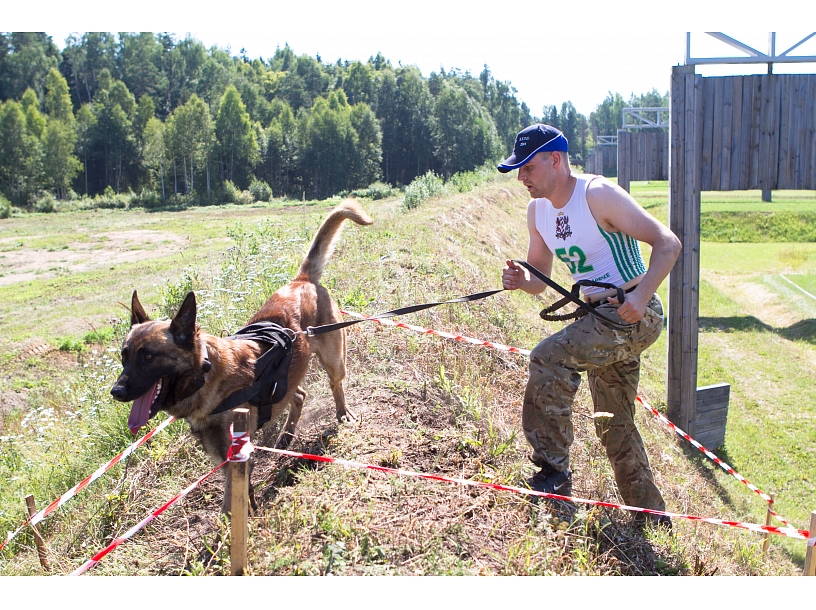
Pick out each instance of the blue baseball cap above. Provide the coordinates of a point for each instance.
(531, 140)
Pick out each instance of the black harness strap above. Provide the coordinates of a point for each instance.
(271, 370)
(573, 297)
(326, 328)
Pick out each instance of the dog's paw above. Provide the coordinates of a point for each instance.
(348, 417)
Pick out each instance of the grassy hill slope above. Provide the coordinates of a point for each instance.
(423, 404)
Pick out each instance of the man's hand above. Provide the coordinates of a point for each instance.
(634, 308)
(512, 276)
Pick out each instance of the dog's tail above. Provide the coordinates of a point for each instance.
(323, 243)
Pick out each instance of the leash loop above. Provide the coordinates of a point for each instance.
(573, 297)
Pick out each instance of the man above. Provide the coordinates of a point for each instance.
(594, 227)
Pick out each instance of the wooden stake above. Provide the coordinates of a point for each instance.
(41, 550)
(810, 556)
(238, 504)
(768, 522)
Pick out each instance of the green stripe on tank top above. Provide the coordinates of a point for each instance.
(616, 254)
(640, 267)
(620, 239)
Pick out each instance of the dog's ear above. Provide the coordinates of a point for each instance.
(183, 325)
(137, 312)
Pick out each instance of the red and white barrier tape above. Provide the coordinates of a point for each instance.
(443, 334)
(714, 458)
(789, 532)
(241, 447)
(239, 451)
(526, 352)
(37, 517)
(98, 557)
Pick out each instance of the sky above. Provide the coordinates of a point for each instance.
(550, 52)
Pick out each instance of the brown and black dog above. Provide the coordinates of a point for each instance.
(174, 367)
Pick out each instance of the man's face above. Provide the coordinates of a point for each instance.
(539, 175)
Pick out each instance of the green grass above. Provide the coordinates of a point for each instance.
(805, 281)
(741, 216)
(757, 258)
(759, 227)
(656, 192)
(751, 201)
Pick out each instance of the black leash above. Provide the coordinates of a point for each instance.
(573, 297)
(311, 331)
(272, 368)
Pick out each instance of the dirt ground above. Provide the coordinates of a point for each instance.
(25, 264)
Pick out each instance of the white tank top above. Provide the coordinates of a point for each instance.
(573, 236)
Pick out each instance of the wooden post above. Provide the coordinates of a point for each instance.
(810, 556)
(768, 522)
(240, 493)
(41, 550)
(684, 220)
(624, 159)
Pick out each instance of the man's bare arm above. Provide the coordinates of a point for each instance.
(538, 255)
(615, 210)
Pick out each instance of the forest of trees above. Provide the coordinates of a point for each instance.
(148, 113)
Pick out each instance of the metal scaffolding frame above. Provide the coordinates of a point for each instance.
(752, 56)
(646, 118)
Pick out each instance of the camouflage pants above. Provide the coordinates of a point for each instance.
(611, 359)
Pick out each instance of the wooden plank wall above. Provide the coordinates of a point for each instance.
(727, 133)
(712, 414)
(604, 161)
(759, 132)
(642, 155)
(686, 138)
(594, 162)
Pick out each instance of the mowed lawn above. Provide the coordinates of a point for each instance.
(806, 281)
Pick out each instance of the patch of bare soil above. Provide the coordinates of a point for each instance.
(112, 248)
(11, 400)
(33, 360)
(759, 300)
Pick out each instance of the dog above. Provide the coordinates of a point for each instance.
(173, 366)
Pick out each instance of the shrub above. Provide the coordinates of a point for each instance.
(110, 199)
(260, 190)
(148, 198)
(46, 204)
(5, 207)
(375, 191)
(467, 181)
(422, 188)
(232, 194)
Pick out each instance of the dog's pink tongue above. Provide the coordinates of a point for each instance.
(140, 411)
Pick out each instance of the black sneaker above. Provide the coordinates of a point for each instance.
(655, 521)
(551, 481)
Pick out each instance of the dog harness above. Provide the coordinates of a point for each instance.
(271, 370)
